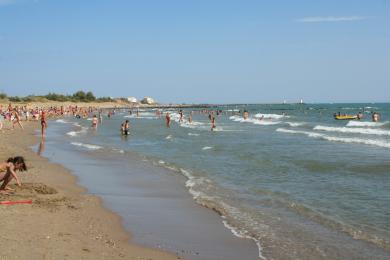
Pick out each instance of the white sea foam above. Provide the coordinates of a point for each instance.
(118, 150)
(192, 182)
(184, 123)
(379, 143)
(270, 116)
(88, 146)
(161, 162)
(264, 122)
(61, 121)
(351, 108)
(168, 137)
(141, 117)
(207, 148)
(196, 183)
(192, 134)
(241, 234)
(75, 133)
(367, 131)
(369, 124)
(254, 120)
(295, 124)
(72, 133)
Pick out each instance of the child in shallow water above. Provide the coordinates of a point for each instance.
(8, 171)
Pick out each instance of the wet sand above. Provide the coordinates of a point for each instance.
(62, 222)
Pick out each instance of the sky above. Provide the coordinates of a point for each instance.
(199, 51)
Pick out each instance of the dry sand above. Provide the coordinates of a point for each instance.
(62, 222)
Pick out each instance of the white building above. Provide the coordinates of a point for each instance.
(148, 101)
(132, 100)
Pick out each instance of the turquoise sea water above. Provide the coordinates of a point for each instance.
(290, 176)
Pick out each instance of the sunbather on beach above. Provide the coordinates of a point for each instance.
(8, 171)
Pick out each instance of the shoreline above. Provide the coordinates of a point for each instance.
(156, 192)
(62, 221)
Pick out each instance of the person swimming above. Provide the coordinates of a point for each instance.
(359, 115)
(376, 117)
(245, 115)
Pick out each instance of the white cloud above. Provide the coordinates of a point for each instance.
(322, 19)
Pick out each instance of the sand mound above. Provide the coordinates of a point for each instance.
(39, 188)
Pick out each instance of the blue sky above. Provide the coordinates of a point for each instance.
(201, 51)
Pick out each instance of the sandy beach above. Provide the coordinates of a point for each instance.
(62, 222)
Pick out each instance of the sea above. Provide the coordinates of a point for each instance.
(290, 178)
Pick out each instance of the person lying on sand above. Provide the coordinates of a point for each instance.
(8, 171)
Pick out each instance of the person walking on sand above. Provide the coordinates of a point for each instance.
(8, 171)
(16, 119)
(168, 120)
(1, 121)
(43, 124)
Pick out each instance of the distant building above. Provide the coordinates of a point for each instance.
(132, 100)
(148, 101)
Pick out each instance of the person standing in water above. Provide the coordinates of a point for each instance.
(126, 127)
(100, 117)
(94, 122)
(123, 128)
(190, 118)
(213, 126)
(168, 120)
(181, 115)
(43, 124)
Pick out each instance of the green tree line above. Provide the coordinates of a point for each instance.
(79, 96)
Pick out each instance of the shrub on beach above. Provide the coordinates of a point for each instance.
(83, 97)
(57, 97)
(15, 99)
(104, 99)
